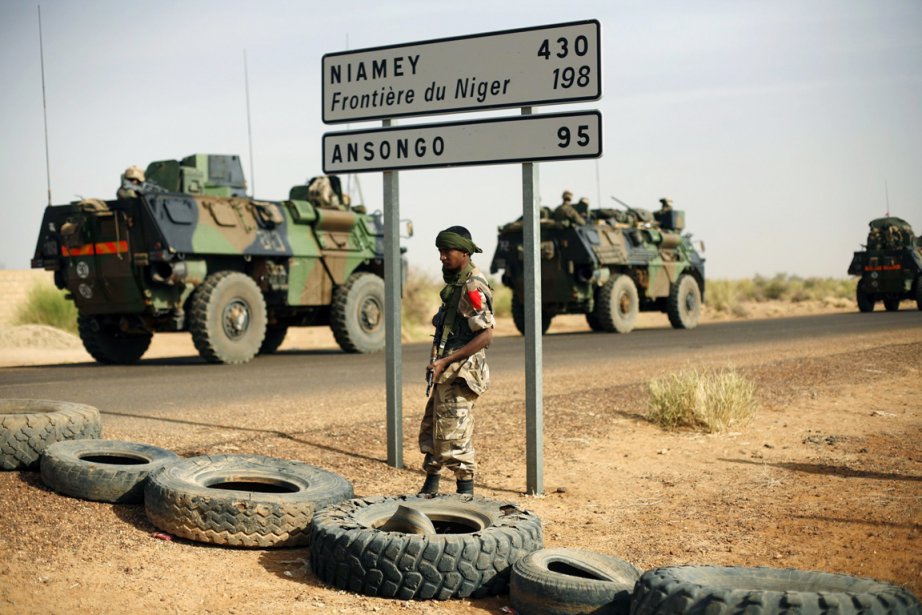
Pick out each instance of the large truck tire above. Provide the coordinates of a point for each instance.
(684, 305)
(678, 590)
(102, 470)
(29, 426)
(864, 299)
(471, 554)
(617, 305)
(275, 335)
(518, 317)
(572, 581)
(228, 318)
(357, 313)
(892, 304)
(241, 500)
(108, 344)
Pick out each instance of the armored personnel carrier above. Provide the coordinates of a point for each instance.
(890, 267)
(183, 248)
(608, 264)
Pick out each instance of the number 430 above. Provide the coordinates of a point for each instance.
(565, 137)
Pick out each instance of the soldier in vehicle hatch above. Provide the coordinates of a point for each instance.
(566, 214)
(457, 372)
(132, 179)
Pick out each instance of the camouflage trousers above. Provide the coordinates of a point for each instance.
(447, 428)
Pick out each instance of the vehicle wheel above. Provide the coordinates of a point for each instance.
(892, 304)
(29, 426)
(275, 335)
(567, 581)
(108, 344)
(919, 292)
(241, 500)
(357, 313)
(518, 317)
(684, 307)
(102, 470)
(618, 304)
(593, 322)
(471, 554)
(700, 589)
(228, 318)
(865, 299)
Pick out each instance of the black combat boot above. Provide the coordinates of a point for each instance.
(465, 487)
(431, 486)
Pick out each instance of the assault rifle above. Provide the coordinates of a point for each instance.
(438, 348)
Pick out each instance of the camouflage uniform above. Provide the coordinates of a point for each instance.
(566, 214)
(445, 433)
(131, 179)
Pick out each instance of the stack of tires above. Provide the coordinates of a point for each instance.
(408, 547)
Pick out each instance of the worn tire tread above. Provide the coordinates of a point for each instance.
(678, 590)
(350, 556)
(29, 426)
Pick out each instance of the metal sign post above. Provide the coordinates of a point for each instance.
(534, 375)
(393, 289)
(543, 65)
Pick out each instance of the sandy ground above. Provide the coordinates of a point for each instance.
(827, 476)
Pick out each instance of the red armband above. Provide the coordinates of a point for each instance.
(476, 300)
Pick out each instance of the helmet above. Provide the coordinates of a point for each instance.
(567, 195)
(583, 200)
(666, 202)
(133, 172)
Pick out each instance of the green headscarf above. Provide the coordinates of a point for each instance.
(448, 239)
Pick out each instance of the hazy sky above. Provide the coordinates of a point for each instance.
(779, 127)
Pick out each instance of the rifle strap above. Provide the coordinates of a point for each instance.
(451, 308)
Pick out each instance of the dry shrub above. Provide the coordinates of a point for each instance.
(46, 305)
(710, 401)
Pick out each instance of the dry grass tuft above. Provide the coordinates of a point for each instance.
(45, 305)
(711, 401)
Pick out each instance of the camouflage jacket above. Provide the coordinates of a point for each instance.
(475, 313)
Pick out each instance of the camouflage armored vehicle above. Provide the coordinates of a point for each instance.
(890, 266)
(608, 264)
(183, 248)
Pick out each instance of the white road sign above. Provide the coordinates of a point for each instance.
(526, 138)
(512, 68)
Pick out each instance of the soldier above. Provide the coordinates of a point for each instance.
(582, 207)
(132, 178)
(566, 214)
(325, 191)
(458, 371)
(665, 204)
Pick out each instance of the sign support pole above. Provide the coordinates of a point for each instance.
(534, 378)
(393, 289)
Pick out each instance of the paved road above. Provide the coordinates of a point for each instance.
(158, 383)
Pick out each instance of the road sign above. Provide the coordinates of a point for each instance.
(558, 136)
(512, 68)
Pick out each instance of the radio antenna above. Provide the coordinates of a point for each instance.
(246, 83)
(41, 52)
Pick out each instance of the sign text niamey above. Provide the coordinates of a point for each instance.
(558, 136)
(512, 68)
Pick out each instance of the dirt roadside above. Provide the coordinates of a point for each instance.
(828, 476)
